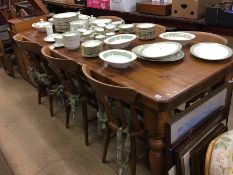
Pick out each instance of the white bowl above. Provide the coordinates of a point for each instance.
(41, 26)
(183, 38)
(120, 41)
(118, 58)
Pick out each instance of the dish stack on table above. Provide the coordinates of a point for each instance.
(62, 21)
(160, 52)
(71, 40)
(127, 28)
(91, 48)
(145, 31)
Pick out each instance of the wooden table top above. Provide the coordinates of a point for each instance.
(162, 86)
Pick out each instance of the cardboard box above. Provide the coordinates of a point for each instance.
(192, 9)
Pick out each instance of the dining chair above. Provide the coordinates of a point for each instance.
(113, 117)
(7, 60)
(219, 156)
(113, 18)
(39, 71)
(159, 29)
(208, 37)
(75, 89)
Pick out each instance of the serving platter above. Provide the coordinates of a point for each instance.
(174, 57)
(211, 51)
(120, 41)
(183, 38)
(157, 50)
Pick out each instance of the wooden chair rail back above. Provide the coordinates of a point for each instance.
(27, 46)
(66, 70)
(208, 37)
(118, 94)
(159, 29)
(113, 18)
(62, 64)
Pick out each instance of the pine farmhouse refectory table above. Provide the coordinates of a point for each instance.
(161, 87)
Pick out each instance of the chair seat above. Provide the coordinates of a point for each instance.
(222, 155)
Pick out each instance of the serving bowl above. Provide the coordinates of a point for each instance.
(41, 25)
(117, 58)
(120, 41)
(183, 38)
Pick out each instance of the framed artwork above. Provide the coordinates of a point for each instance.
(172, 151)
(190, 121)
(183, 153)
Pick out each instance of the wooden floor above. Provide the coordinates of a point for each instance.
(35, 144)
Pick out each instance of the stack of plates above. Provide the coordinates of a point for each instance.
(161, 52)
(62, 21)
(91, 48)
(145, 31)
(127, 28)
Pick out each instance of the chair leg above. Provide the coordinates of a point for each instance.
(39, 93)
(11, 70)
(133, 156)
(85, 122)
(107, 137)
(51, 105)
(68, 109)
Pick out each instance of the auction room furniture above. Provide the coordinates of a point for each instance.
(75, 91)
(38, 70)
(116, 119)
(161, 87)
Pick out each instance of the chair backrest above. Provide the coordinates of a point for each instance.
(208, 37)
(219, 157)
(62, 64)
(65, 69)
(33, 52)
(113, 18)
(27, 46)
(159, 29)
(111, 96)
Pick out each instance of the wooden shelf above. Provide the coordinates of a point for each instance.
(69, 5)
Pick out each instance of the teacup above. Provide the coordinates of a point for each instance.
(58, 40)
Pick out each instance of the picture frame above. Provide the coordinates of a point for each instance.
(224, 92)
(183, 153)
(214, 119)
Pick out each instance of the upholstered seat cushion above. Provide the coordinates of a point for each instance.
(222, 155)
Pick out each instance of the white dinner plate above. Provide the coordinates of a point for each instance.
(145, 25)
(50, 38)
(91, 43)
(211, 51)
(65, 15)
(102, 21)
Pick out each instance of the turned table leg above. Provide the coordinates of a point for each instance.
(155, 123)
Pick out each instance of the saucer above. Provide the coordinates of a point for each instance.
(56, 45)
